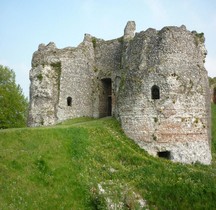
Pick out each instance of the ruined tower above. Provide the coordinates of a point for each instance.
(153, 82)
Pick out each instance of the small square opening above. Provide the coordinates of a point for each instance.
(164, 154)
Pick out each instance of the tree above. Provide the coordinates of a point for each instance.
(212, 81)
(13, 104)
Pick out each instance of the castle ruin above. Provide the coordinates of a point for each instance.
(154, 82)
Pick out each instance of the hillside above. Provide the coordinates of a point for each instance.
(89, 164)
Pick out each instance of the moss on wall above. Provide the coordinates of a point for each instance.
(57, 68)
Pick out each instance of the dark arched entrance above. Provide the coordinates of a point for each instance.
(105, 105)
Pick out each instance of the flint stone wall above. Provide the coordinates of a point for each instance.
(172, 59)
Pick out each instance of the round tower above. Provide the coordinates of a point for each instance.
(163, 99)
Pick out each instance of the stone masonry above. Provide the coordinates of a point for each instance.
(153, 82)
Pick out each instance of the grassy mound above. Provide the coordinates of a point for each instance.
(90, 164)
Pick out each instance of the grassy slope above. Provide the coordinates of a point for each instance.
(60, 167)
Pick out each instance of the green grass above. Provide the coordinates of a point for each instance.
(62, 167)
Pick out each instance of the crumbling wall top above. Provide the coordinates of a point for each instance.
(129, 30)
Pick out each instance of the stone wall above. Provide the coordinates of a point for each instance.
(76, 82)
(63, 73)
(179, 121)
(153, 82)
(77, 74)
(44, 89)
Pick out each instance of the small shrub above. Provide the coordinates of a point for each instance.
(155, 119)
(94, 41)
(40, 77)
(199, 38)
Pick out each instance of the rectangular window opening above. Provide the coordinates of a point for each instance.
(164, 154)
(105, 98)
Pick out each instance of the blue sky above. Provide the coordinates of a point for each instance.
(27, 23)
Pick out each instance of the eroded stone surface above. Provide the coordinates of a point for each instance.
(153, 82)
